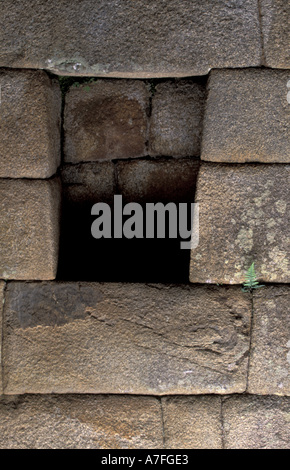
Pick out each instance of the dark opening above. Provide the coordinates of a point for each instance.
(84, 258)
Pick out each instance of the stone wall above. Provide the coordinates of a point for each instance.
(130, 343)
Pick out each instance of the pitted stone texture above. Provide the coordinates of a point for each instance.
(125, 338)
(176, 120)
(253, 422)
(88, 183)
(159, 180)
(80, 422)
(269, 371)
(243, 218)
(121, 38)
(106, 120)
(29, 124)
(29, 228)
(247, 117)
(192, 422)
(2, 287)
(275, 18)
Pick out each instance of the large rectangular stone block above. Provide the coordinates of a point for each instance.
(80, 422)
(88, 183)
(121, 38)
(106, 120)
(253, 422)
(159, 180)
(176, 119)
(243, 218)
(192, 422)
(269, 370)
(30, 108)
(29, 228)
(275, 18)
(247, 117)
(125, 338)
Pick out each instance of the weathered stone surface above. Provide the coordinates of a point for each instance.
(275, 17)
(2, 287)
(80, 422)
(29, 124)
(29, 228)
(88, 182)
(252, 422)
(159, 180)
(125, 338)
(192, 422)
(247, 117)
(269, 371)
(243, 219)
(106, 120)
(176, 120)
(168, 38)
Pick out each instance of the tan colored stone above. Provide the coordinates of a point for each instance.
(176, 120)
(159, 180)
(2, 287)
(247, 117)
(269, 371)
(29, 124)
(88, 183)
(192, 422)
(275, 18)
(130, 39)
(106, 120)
(125, 338)
(80, 422)
(253, 422)
(29, 228)
(243, 218)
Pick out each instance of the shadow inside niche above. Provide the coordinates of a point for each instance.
(84, 258)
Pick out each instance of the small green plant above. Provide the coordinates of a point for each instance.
(251, 282)
(152, 86)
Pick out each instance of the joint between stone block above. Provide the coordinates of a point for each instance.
(263, 56)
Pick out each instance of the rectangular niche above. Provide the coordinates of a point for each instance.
(85, 258)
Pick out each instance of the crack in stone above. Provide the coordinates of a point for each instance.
(250, 341)
(163, 424)
(260, 15)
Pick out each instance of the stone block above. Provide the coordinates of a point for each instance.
(29, 124)
(192, 422)
(269, 371)
(176, 120)
(247, 117)
(88, 183)
(243, 218)
(253, 422)
(29, 228)
(159, 180)
(106, 120)
(125, 338)
(121, 38)
(275, 18)
(80, 422)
